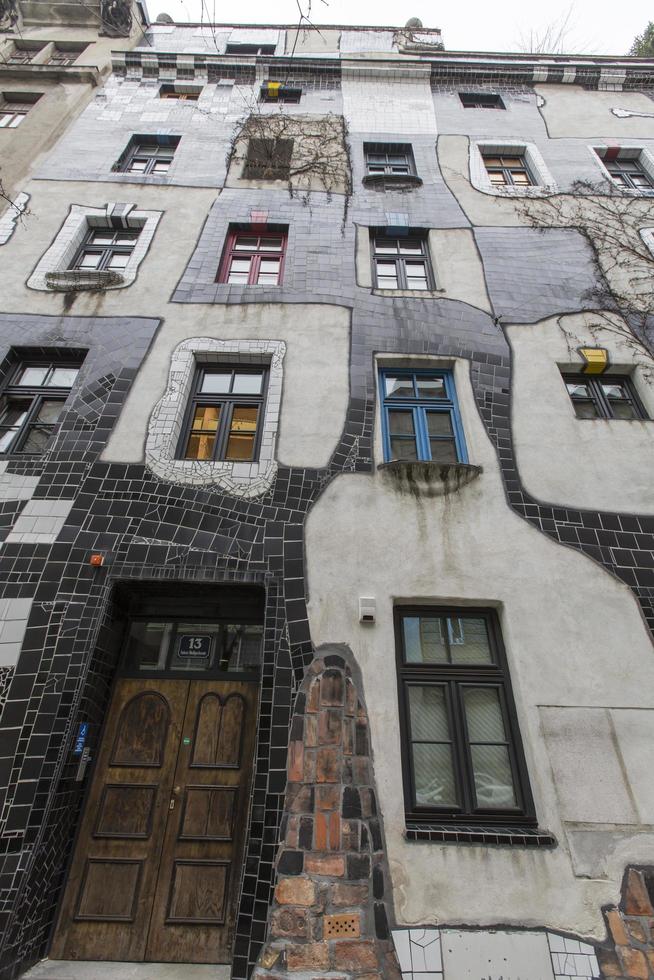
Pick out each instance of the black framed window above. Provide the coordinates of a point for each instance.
(105, 248)
(225, 415)
(604, 397)
(250, 49)
(275, 92)
(402, 262)
(508, 170)
(268, 159)
(629, 174)
(462, 755)
(149, 155)
(389, 159)
(32, 402)
(481, 100)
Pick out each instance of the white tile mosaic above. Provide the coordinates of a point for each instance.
(10, 218)
(40, 522)
(241, 479)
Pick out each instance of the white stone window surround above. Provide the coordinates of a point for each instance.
(247, 480)
(647, 235)
(636, 152)
(74, 229)
(545, 183)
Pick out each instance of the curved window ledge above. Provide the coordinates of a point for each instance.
(396, 181)
(427, 479)
(77, 279)
(452, 833)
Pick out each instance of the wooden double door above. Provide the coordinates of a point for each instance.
(157, 866)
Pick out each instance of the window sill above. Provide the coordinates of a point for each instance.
(428, 479)
(412, 293)
(77, 279)
(507, 836)
(395, 181)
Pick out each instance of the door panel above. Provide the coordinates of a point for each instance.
(197, 890)
(107, 903)
(157, 864)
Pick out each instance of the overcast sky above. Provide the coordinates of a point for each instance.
(479, 25)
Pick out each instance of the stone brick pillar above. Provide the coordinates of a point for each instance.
(631, 929)
(329, 915)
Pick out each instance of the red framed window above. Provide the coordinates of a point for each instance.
(252, 259)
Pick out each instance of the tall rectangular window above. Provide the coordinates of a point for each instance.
(32, 402)
(420, 417)
(508, 170)
(254, 259)
(105, 248)
(225, 416)
(402, 262)
(462, 755)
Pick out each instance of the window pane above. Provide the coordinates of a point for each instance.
(623, 410)
(63, 377)
(268, 272)
(89, 260)
(247, 384)
(239, 270)
(430, 387)
(242, 434)
(32, 376)
(439, 423)
(271, 244)
(5, 119)
(520, 178)
(200, 446)
(147, 645)
(497, 178)
(428, 714)
(614, 390)
(126, 238)
(398, 387)
(216, 382)
(119, 260)
(161, 167)
(37, 439)
(469, 642)
(386, 246)
(403, 449)
(138, 166)
(484, 715)
(423, 640)
(102, 237)
(50, 411)
(493, 778)
(434, 775)
(12, 418)
(443, 451)
(400, 423)
(410, 246)
(246, 242)
(585, 410)
(577, 389)
(206, 418)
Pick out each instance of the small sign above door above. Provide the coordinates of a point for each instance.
(195, 645)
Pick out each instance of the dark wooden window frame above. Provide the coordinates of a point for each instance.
(506, 171)
(400, 260)
(599, 399)
(13, 392)
(481, 100)
(389, 150)
(152, 149)
(226, 401)
(623, 177)
(453, 678)
(106, 252)
(256, 254)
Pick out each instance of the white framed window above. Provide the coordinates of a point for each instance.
(511, 168)
(249, 478)
(59, 268)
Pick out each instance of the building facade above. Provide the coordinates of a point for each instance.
(327, 525)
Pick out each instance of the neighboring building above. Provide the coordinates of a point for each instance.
(328, 531)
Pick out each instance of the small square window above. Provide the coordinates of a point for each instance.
(182, 94)
(402, 262)
(268, 159)
(420, 417)
(507, 170)
(603, 397)
(225, 415)
(32, 403)
(389, 159)
(253, 259)
(481, 100)
(462, 755)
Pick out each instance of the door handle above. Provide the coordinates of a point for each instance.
(176, 791)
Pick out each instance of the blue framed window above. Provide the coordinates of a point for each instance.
(420, 417)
